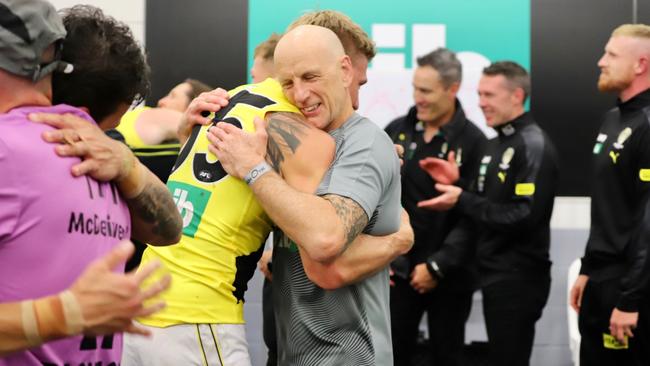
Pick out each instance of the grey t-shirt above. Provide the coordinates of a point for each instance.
(350, 325)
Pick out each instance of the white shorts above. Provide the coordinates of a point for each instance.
(188, 344)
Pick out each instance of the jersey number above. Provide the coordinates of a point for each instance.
(203, 170)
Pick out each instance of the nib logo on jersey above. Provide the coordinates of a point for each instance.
(191, 202)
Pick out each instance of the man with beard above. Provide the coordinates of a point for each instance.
(610, 293)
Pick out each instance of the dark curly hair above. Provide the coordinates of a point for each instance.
(109, 66)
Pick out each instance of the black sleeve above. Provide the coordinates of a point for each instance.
(635, 282)
(458, 247)
(533, 192)
(393, 128)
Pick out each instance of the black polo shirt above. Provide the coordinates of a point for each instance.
(510, 209)
(619, 238)
(431, 227)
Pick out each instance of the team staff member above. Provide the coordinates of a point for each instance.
(611, 292)
(349, 324)
(75, 294)
(511, 210)
(435, 127)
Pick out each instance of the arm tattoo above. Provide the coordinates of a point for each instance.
(352, 216)
(155, 207)
(285, 131)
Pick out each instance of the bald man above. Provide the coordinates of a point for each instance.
(318, 321)
(212, 270)
(611, 293)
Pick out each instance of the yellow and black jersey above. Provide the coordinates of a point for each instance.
(224, 226)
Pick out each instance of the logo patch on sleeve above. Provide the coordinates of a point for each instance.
(525, 189)
(644, 175)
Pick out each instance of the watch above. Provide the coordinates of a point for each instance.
(435, 271)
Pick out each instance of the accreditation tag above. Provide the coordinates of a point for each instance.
(610, 342)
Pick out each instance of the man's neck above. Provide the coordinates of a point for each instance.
(17, 93)
(638, 86)
(431, 128)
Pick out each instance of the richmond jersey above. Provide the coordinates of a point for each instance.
(224, 226)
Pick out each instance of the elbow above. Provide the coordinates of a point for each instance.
(324, 248)
(329, 278)
(168, 233)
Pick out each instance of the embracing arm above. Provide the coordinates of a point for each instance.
(365, 256)
(153, 212)
(322, 226)
(156, 125)
(154, 216)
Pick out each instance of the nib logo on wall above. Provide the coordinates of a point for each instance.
(475, 30)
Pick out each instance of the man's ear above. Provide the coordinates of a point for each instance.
(642, 65)
(454, 87)
(519, 95)
(85, 109)
(346, 69)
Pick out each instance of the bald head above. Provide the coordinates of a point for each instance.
(309, 39)
(315, 74)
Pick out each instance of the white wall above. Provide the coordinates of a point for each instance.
(131, 12)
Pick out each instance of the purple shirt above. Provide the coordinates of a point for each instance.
(52, 225)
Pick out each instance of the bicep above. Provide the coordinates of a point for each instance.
(301, 153)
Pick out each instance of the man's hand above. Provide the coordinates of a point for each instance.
(442, 171)
(445, 201)
(109, 300)
(621, 324)
(575, 296)
(399, 149)
(421, 279)
(211, 101)
(103, 158)
(263, 264)
(403, 239)
(237, 150)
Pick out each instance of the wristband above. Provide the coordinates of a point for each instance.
(30, 325)
(435, 271)
(257, 171)
(54, 317)
(74, 319)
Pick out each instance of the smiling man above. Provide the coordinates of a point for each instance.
(347, 325)
(508, 214)
(432, 277)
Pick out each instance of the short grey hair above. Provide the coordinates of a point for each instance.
(445, 63)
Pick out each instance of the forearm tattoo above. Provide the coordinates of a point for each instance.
(155, 207)
(285, 131)
(352, 216)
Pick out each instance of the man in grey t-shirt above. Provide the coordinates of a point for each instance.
(360, 192)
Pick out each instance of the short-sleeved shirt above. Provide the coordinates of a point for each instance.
(52, 225)
(349, 325)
